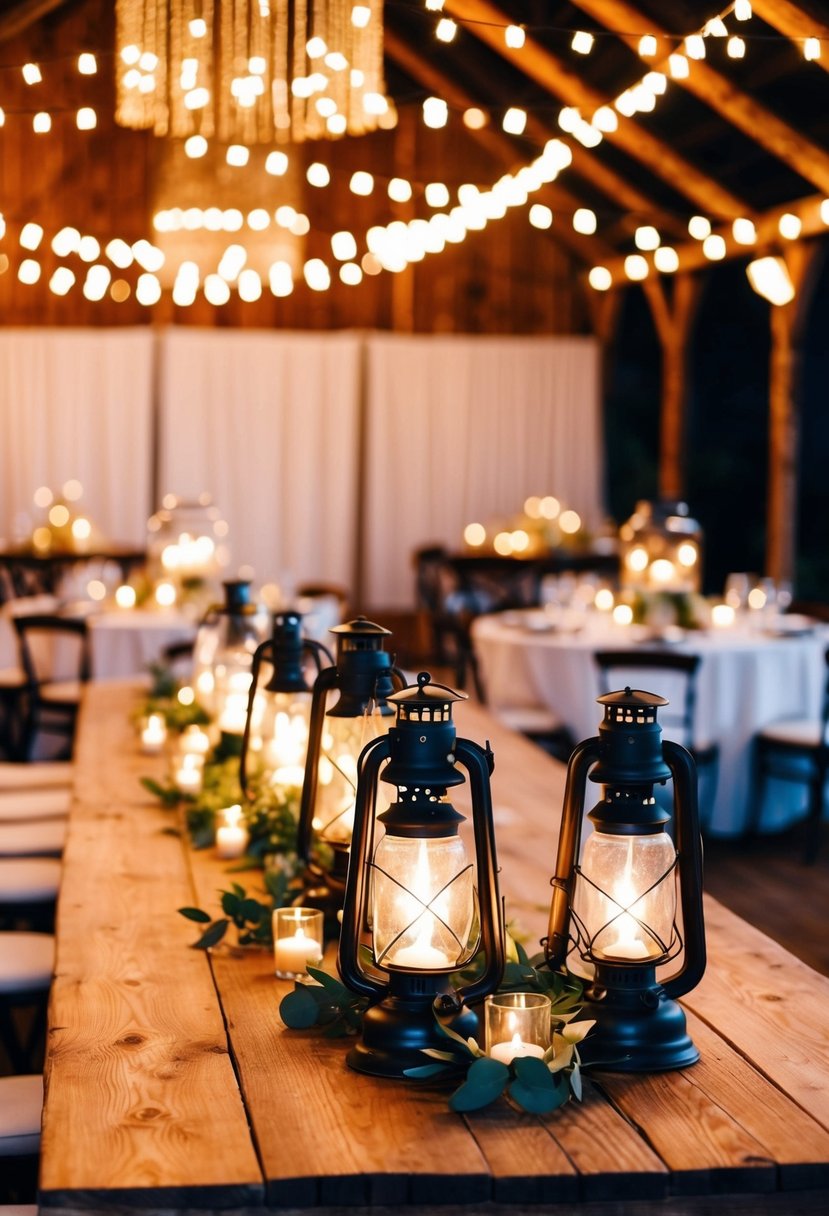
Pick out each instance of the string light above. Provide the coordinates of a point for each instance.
(582, 42)
(30, 236)
(666, 259)
(736, 47)
(435, 112)
(514, 37)
(647, 46)
(600, 278)
(636, 267)
(584, 221)
(86, 119)
(87, 64)
(742, 10)
(399, 190)
(646, 238)
(713, 247)
(540, 216)
(515, 121)
(744, 231)
(446, 29)
(31, 73)
(699, 227)
(789, 226)
(811, 48)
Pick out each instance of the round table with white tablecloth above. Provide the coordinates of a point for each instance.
(746, 679)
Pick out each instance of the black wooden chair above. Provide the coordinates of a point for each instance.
(796, 750)
(52, 704)
(665, 668)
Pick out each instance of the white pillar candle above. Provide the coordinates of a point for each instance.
(293, 954)
(154, 735)
(506, 1052)
(194, 741)
(231, 834)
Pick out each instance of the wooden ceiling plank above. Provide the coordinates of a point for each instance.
(19, 18)
(487, 22)
(797, 151)
(498, 143)
(795, 22)
(691, 256)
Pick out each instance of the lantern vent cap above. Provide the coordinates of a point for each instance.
(361, 626)
(425, 694)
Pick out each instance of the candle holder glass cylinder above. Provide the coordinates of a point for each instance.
(297, 941)
(517, 1024)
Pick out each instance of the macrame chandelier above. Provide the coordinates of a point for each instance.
(250, 71)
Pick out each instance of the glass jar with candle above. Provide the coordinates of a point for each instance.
(297, 941)
(517, 1024)
(223, 660)
(187, 548)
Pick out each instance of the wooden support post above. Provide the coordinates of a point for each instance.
(784, 418)
(673, 319)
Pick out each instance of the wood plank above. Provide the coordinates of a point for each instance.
(769, 1006)
(141, 1094)
(326, 1133)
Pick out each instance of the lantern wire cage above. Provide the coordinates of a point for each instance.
(585, 942)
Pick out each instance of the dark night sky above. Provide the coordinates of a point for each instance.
(727, 442)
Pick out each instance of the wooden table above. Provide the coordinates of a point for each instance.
(171, 1083)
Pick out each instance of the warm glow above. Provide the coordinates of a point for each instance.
(662, 571)
(666, 259)
(569, 522)
(600, 278)
(770, 278)
(623, 614)
(722, 615)
(790, 226)
(637, 560)
(699, 227)
(540, 216)
(165, 595)
(30, 236)
(361, 183)
(582, 42)
(96, 590)
(81, 528)
(318, 175)
(584, 221)
(276, 164)
(125, 596)
(687, 554)
(646, 238)
(604, 599)
(399, 190)
(514, 37)
(714, 247)
(744, 232)
(59, 515)
(636, 267)
(515, 120)
(435, 112)
(474, 535)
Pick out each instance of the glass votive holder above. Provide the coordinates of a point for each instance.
(517, 1024)
(194, 741)
(153, 734)
(231, 833)
(297, 941)
(188, 772)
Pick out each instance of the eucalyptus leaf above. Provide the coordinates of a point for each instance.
(330, 983)
(196, 914)
(485, 1081)
(298, 1009)
(436, 1054)
(423, 1071)
(212, 936)
(535, 1089)
(575, 1083)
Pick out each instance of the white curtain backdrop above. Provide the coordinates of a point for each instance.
(465, 428)
(77, 403)
(267, 423)
(300, 436)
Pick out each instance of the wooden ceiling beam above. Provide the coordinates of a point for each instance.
(18, 19)
(486, 22)
(498, 143)
(691, 256)
(626, 197)
(795, 22)
(807, 158)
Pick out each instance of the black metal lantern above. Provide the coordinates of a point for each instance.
(275, 742)
(615, 893)
(363, 676)
(428, 907)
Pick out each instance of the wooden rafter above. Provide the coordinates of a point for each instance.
(624, 194)
(795, 22)
(691, 256)
(717, 91)
(487, 21)
(496, 142)
(18, 19)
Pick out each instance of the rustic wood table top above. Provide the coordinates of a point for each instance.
(172, 1085)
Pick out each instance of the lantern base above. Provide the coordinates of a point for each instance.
(396, 1032)
(326, 890)
(638, 1028)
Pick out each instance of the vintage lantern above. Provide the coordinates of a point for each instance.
(428, 906)
(660, 549)
(223, 658)
(275, 741)
(615, 893)
(363, 676)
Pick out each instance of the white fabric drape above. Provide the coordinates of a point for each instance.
(267, 424)
(77, 403)
(465, 428)
(299, 436)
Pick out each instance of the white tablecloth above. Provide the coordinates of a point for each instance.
(124, 642)
(745, 680)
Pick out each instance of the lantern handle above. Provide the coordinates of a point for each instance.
(348, 953)
(325, 682)
(557, 942)
(258, 655)
(479, 763)
(689, 847)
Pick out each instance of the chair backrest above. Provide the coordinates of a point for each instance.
(53, 647)
(669, 674)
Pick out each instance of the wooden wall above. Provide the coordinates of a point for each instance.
(510, 278)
